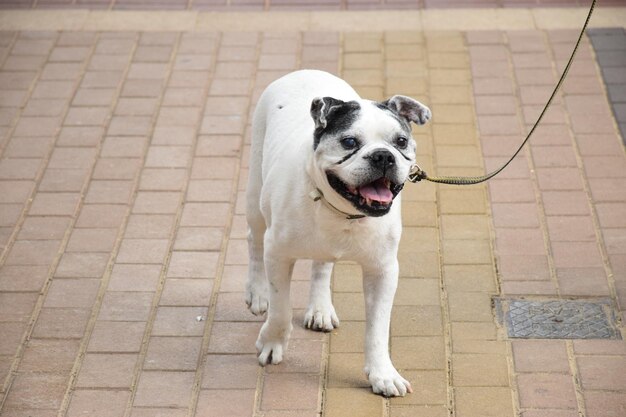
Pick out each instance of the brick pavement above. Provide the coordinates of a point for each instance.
(123, 160)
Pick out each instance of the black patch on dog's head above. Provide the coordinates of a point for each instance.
(332, 116)
(404, 123)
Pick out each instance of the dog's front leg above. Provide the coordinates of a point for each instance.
(275, 332)
(379, 286)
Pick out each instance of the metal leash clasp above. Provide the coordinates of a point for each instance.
(416, 174)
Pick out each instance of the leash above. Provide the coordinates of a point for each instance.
(417, 174)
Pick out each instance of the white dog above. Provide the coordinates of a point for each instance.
(325, 172)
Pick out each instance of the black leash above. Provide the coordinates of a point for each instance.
(417, 174)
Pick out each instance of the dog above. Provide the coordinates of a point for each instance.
(326, 170)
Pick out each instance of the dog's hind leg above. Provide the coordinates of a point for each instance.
(320, 314)
(256, 285)
(274, 335)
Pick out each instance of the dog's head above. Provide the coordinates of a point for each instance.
(364, 149)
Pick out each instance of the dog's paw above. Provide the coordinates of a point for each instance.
(272, 343)
(322, 318)
(388, 382)
(257, 299)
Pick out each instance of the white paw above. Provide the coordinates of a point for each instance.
(257, 298)
(387, 382)
(321, 318)
(272, 343)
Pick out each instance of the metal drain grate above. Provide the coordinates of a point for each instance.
(558, 319)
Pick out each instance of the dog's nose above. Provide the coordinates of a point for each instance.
(383, 159)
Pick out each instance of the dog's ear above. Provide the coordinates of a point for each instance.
(321, 108)
(408, 108)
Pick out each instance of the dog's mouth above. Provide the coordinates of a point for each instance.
(374, 198)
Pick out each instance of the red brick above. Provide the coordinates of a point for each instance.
(576, 254)
(153, 226)
(33, 252)
(218, 403)
(138, 251)
(186, 292)
(101, 215)
(119, 337)
(540, 356)
(107, 370)
(605, 403)
(193, 265)
(602, 372)
(79, 293)
(570, 228)
(173, 353)
(98, 403)
(126, 306)
(12, 337)
(163, 179)
(546, 390)
(290, 391)
(17, 306)
(61, 323)
(219, 370)
(82, 265)
(36, 390)
(116, 169)
(231, 337)
(515, 215)
(565, 203)
(164, 389)
(63, 180)
(156, 202)
(179, 321)
(583, 281)
(55, 204)
(54, 356)
(23, 277)
(35, 228)
(109, 192)
(92, 240)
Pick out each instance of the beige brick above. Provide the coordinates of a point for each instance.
(364, 77)
(449, 76)
(429, 387)
(348, 338)
(469, 226)
(362, 60)
(416, 213)
(405, 68)
(475, 370)
(470, 307)
(422, 411)
(404, 51)
(469, 278)
(416, 321)
(362, 42)
(417, 292)
(454, 134)
(479, 346)
(404, 37)
(473, 331)
(353, 402)
(447, 59)
(453, 113)
(418, 352)
(450, 94)
(466, 201)
(458, 156)
(484, 402)
(467, 252)
(345, 370)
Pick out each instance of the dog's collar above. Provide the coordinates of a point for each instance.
(317, 195)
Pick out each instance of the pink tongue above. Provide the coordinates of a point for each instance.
(376, 191)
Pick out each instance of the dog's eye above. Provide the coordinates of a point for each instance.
(349, 143)
(402, 142)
